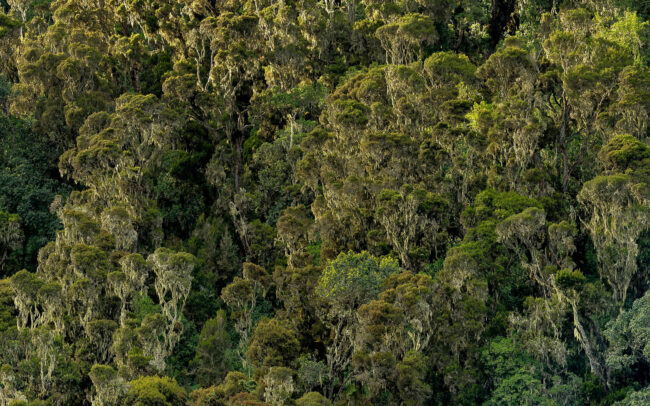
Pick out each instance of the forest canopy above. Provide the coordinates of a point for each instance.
(324, 202)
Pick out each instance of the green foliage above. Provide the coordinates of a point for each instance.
(634, 398)
(623, 152)
(352, 279)
(629, 337)
(272, 344)
(6, 24)
(155, 391)
(449, 67)
(567, 279)
(313, 399)
(28, 184)
(324, 202)
(211, 361)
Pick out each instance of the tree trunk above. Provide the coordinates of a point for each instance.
(595, 363)
(562, 145)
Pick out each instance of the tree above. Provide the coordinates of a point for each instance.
(581, 89)
(10, 30)
(62, 84)
(410, 218)
(28, 185)
(26, 285)
(241, 298)
(279, 386)
(173, 272)
(525, 233)
(114, 152)
(9, 392)
(294, 228)
(617, 206)
(109, 386)
(405, 39)
(211, 359)
(628, 338)
(635, 398)
(272, 345)
(346, 283)
(313, 399)
(155, 391)
(241, 295)
(633, 97)
(45, 346)
(12, 236)
(513, 372)
(392, 340)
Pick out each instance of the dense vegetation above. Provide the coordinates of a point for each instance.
(324, 202)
